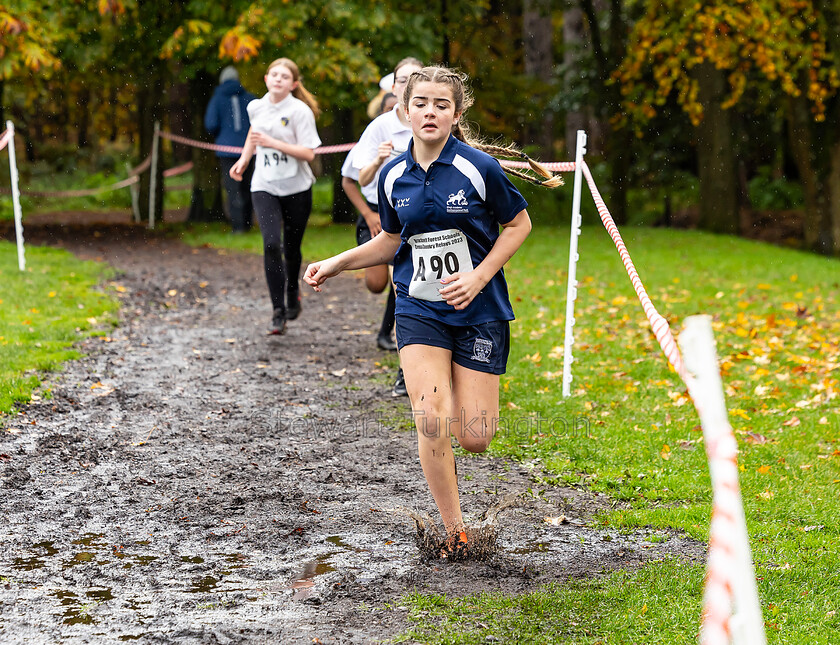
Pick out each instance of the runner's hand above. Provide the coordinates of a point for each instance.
(237, 170)
(384, 151)
(261, 139)
(372, 220)
(460, 289)
(317, 273)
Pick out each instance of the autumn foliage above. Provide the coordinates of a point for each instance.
(778, 42)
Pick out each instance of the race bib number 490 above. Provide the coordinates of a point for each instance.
(275, 165)
(435, 256)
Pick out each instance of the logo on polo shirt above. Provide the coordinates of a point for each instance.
(457, 203)
(284, 120)
(482, 350)
(403, 203)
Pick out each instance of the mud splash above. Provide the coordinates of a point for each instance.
(481, 539)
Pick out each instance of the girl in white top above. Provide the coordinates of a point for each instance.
(283, 137)
(386, 137)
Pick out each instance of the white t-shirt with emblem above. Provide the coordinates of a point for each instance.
(386, 127)
(291, 120)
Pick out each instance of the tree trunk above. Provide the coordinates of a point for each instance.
(444, 26)
(834, 198)
(182, 101)
(342, 210)
(149, 110)
(716, 156)
(619, 152)
(539, 63)
(113, 108)
(817, 167)
(573, 40)
(617, 146)
(2, 107)
(206, 205)
(83, 103)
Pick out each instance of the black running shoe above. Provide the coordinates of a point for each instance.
(399, 386)
(384, 341)
(278, 323)
(293, 308)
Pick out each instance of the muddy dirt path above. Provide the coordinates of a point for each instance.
(192, 480)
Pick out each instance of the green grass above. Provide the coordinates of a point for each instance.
(629, 430)
(619, 608)
(43, 311)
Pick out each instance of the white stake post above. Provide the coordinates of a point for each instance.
(731, 607)
(135, 195)
(571, 288)
(13, 172)
(153, 179)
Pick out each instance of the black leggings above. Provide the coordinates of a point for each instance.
(282, 223)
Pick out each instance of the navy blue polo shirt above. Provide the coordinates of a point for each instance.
(446, 218)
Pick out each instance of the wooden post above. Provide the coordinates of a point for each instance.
(153, 178)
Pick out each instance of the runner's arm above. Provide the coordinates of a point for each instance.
(383, 153)
(351, 188)
(292, 149)
(241, 165)
(379, 250)
(462, 288)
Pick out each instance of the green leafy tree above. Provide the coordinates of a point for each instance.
(341, 48)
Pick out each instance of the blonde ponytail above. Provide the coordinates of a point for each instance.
(461, 131)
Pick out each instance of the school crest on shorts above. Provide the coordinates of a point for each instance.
(482, 350)
(457, 203)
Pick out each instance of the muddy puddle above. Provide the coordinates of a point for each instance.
(191, 480)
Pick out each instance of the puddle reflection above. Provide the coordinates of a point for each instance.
(305, 582)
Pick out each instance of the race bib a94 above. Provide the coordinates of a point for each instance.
(276, 165)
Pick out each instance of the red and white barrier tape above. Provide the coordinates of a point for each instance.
(178, 170)
(657, 322)
(141, 168)
(4, 138)
(176, 138)
(730, 579)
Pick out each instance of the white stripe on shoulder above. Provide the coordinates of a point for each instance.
(471, 172)
(395, 173)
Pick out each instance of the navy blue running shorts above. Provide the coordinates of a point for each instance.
(483, 348)
(362, 230)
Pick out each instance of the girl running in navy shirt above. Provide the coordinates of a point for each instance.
(441, 204)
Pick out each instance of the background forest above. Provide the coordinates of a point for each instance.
(722, 115)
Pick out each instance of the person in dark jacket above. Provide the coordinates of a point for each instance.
(227, 121)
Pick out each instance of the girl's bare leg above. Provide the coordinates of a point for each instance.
(377, 278)
(428, 374)
(475, 408)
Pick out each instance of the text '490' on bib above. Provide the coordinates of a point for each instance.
(275, 165)
(434, 256)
